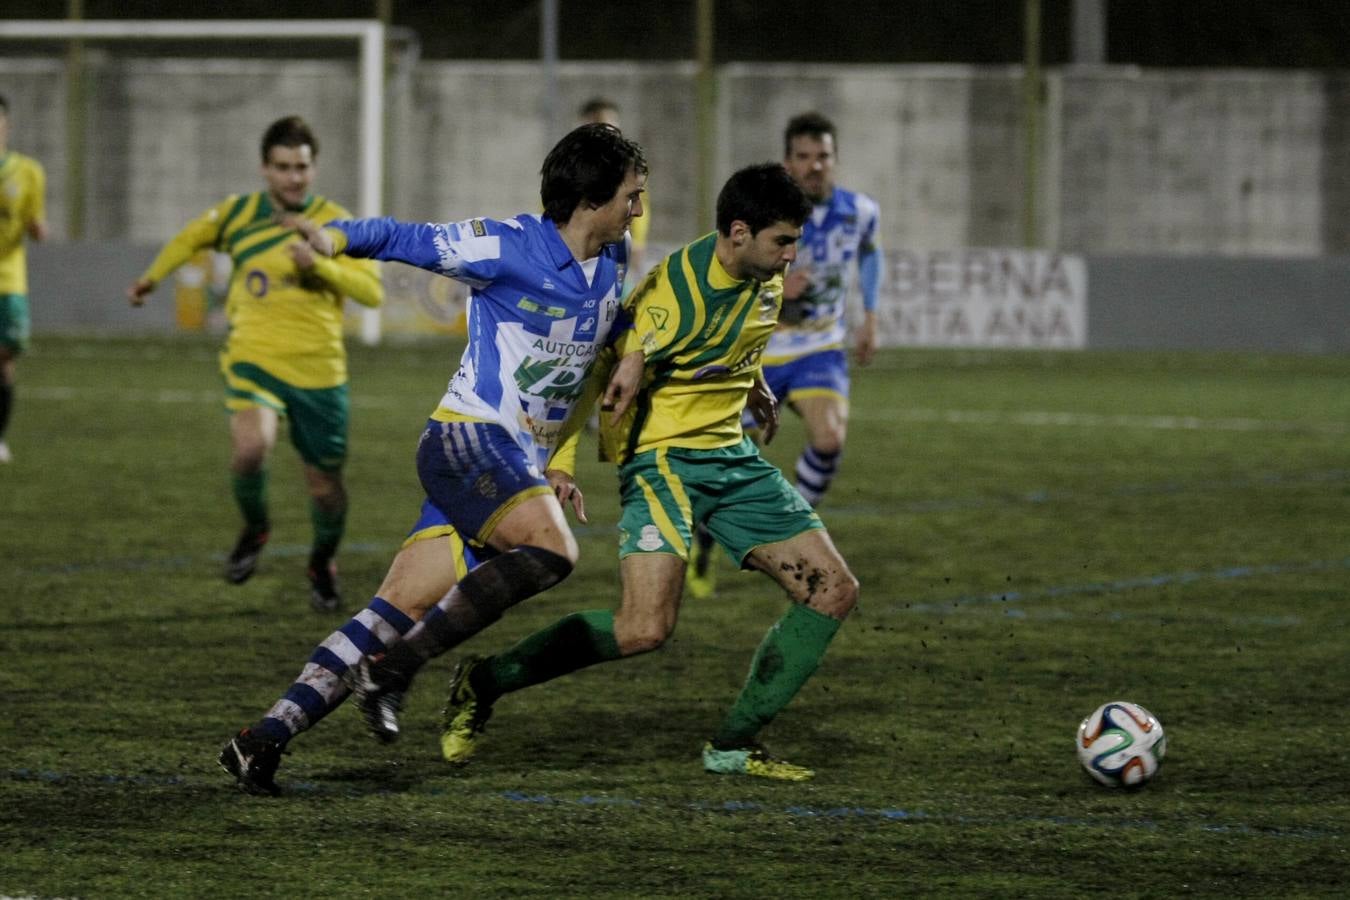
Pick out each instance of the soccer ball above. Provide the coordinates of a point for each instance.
(1121, 744)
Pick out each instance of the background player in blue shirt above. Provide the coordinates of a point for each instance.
(491, 531)
(805, 363)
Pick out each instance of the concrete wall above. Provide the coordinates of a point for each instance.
(1140, 162)
(1213, 207)
(1133, 302)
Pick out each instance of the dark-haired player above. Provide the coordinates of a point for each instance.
(685, 372)
(284, 355)
(491, 533)
(805, 364)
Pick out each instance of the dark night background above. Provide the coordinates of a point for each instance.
(1171, 33)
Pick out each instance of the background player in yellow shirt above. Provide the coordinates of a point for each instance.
(284, 355)
(687, 368)
(22, 215)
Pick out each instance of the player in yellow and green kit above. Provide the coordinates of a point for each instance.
(284, 355)
(687, 368)
(22, 215)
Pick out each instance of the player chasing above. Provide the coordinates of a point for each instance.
(687, 369)
(284, 355)
(804, 364)
(491, 533)
(22, 215)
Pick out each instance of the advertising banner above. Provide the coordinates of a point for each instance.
(982, 298)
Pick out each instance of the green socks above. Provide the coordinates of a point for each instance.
(250, 492)
(328, 529)
(571, 643)
(786, 657)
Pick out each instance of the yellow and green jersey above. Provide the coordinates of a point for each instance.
(22, 188)
(703, 334)
(283, 320)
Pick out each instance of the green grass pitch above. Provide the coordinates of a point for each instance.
(1036, 533)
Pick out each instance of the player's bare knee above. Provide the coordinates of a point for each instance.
(248, 460)
(559, 543)
(837, 596)
(327, 490)
(642, 638)
(544, 567)
(848, 595)
(829, 442)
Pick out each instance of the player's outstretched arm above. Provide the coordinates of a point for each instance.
(201, 232)
(139, 290)
(473, 251)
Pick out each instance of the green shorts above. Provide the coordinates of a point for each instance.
(15, 325)
(744, 501)
(318, 416)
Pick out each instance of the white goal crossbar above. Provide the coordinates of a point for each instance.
(370, 34)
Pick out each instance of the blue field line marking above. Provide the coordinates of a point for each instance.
(1057, 419)
(751, 807)
(283, 551)
(1120, 585)
(905, 815)
(1038, 496)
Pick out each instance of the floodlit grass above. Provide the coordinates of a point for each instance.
(1036, 533)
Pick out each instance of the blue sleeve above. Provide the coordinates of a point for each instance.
(869, 277)
(469, 251)
(389, 239)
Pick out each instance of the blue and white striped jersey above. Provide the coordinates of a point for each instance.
(536, 316)
(838, 232)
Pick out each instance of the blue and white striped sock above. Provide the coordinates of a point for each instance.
(815, 471)
(320, 689)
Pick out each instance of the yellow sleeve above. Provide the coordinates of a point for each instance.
(200, 232)
(38, 211)
(339, 239)
(11, 233)
(564, 456)
(355, 278)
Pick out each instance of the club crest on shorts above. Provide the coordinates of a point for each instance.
(650, 538)
(485, 485)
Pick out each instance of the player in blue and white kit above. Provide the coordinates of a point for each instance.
(491, 533)
(804, 364)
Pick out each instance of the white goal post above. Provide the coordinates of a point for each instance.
(370, 35)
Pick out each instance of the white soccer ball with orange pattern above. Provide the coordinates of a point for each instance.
(1121, 744)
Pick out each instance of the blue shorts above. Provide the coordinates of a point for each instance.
(815, 374)
(432, 523)
(474, 474)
